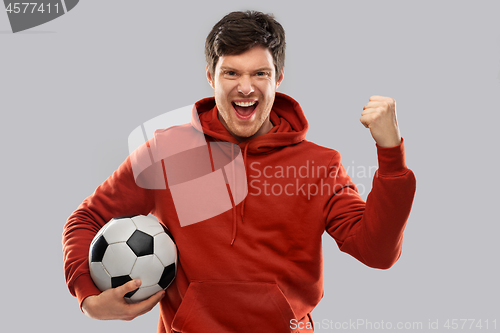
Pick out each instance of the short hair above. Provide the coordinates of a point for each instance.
(239, 31)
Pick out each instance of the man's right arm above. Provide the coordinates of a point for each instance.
(117, 196)
(110, 304)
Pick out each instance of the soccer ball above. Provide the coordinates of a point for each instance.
(136, 247)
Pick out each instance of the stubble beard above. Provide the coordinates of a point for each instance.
(242, 133)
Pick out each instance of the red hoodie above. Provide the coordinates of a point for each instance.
(256, 267)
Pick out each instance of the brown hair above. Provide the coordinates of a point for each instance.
(238, 32)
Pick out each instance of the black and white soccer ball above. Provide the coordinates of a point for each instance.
(136, 247)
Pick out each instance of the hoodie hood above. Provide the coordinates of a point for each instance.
(290, 125)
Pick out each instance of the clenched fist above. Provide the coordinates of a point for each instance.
(379, 115)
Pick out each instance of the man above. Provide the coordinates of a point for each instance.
(258, 266)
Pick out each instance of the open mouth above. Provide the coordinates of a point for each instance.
(244, 110)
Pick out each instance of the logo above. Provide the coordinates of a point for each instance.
(26, 15)
(204, 178)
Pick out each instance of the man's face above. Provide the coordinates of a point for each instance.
(244, 87)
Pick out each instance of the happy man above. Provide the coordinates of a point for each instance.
(258, 266)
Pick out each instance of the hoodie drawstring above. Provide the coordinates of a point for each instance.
(235, 224)
(245, 166)
(234, 206)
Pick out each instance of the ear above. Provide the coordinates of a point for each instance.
(280, 78)
(209, 78)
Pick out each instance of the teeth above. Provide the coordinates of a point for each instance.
(245, 104)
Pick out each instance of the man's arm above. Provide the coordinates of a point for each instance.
(117, 196)
(372, 232)
(110, 304)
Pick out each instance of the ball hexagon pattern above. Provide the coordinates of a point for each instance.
(136, 247)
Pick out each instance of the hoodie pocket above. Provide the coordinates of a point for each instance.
(230, 306)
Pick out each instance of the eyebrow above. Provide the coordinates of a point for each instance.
(264, 69)
(226, 68)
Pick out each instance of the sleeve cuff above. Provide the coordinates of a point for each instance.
(84, 287)
(391, 160)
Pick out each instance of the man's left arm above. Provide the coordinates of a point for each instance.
(372, 232)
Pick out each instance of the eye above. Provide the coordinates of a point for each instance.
(229, 74)
(262, 74)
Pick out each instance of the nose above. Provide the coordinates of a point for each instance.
(245, 85)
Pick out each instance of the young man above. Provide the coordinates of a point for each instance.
(256, 267)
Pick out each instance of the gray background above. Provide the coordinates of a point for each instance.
(73, 89)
